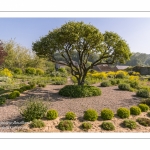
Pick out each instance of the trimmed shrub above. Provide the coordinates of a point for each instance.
(52, 114)
(30, 71)
(120, 75)
(134, 84)
(14, 94)
(76, 91)
(107, 114)
(37, 123)
(39, 71)
(41, 85)
(130, 124)
(143, 107)
(70, 115)
(17, 71)
(144, 121)
(105, 84)
(2, 100)
(59, 81)
(65, 125)
(90, 115)
(86, 126)
(108, 126)
(143, 93)
(115, 81)
(135, 110)
(123, 112)
(124, 86)
(34, 110)
(146, 101)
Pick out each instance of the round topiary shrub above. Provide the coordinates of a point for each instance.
(76, 91)
(134, 84)
(41, 85)
(143, 107)
(65, 125)
(105, 84)
(52, 114)
(14, 94)
(130, 124)
(107, 114)
(142, 93)
(86, 126)
(108, 126)
(90, 115)
(70, 115)
(123, 112)
(17, 71)
(144, 121)
(37, 123)
(120, 75)
(146, 101)
(30, 71)
(2, 100)
(135, 110)
(39, 71)
(124, 86)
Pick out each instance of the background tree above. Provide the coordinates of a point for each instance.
(85, 40)
(3, 54)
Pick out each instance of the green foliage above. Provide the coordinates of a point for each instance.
(52, 114)
(65, 125)
(107, 114)
(2, 100)
(135, 110)
(17, 71)
(108, 126)
(14, 94)
(146, 101)
(123, 112)
(124, 86)
(76, 91)
(148, 114)
(41, 85)
(30, 71)
(86, 126)
(115, 81)
(34, 110)
(143, 93)
(59, 80)
(39, 71)
(62, 70)
(120, 75)
(143, 107)
(144, 121)
(70, 115)
(90, 115)
(37, 123)
(105, 84)
(130, 124)
(134, 84)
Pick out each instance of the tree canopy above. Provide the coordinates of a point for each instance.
(3, 54)
(86, 41)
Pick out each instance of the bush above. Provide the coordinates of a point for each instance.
(108, 126)
(14, 94)
(37, 124)
(146, 101)
(105, 84)
(34, 110)
(130, 124)
(120, 75)
(2, 100)
(143, 93)
(107, 114)
(143, 121)
(65, 125)
(70, 115)
(59, 81)
(134, 84)
(124, 86)
(30, 71)
(135, 110)
(39, 71)
(90, 115)
(123, 112)
(86, 126)
(143, 107)
(17, 71)
(76, 91)
(41, 85)
(52, 114)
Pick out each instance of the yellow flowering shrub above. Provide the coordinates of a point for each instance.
(5, 73)
(111, 74)
(133, 78)
(100, 75)
(122, 72)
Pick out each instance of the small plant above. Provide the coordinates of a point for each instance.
(120, 75)
(105, 84)
(42, 85)
(108, 126)
(91, 115)
(146, 101)
(107, 114)
(14, 94)
(39, 71)
(30, 71)
(123, 112)
(17, 71)
(134, 84)
(144, 121)
(124, 86)
(143, 93)
(130, 124)
(65, 125)
(135, 110)
(2, 100)
(70, 116)
(34, 110)
(86, 126)
(37, 123)
(52, 114)
(143, 107)
(59, 81)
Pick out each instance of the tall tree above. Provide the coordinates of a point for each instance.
(3, 54)
(85, 40)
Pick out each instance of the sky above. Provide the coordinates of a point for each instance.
(24, 31)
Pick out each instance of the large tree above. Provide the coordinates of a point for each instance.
(3, 54)
(86, 41)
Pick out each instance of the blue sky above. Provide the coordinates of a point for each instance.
(136, 31)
